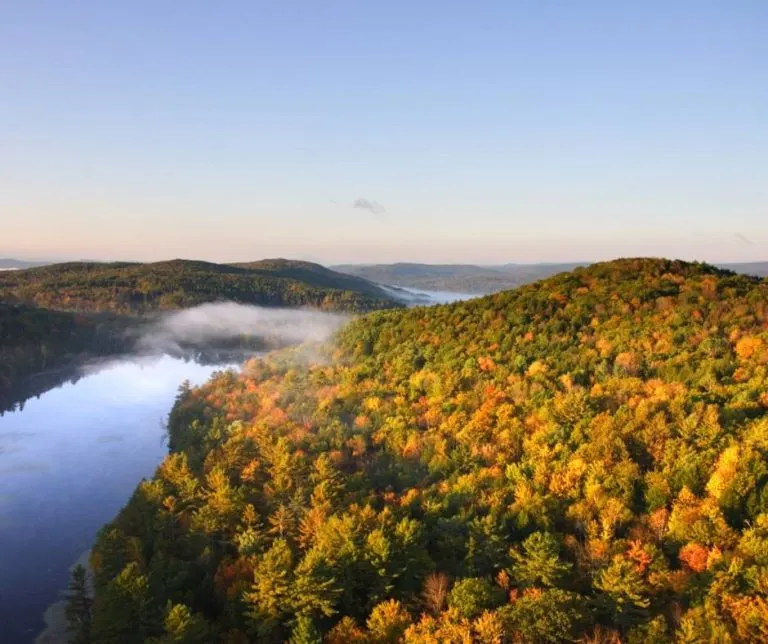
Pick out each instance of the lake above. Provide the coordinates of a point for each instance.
(69, 461)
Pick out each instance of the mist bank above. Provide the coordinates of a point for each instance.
(418, 297)
(44, 349)
(228, 324)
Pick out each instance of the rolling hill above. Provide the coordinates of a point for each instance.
(580, 459)
(459, 278)
(467, 278)
(139, 288)
(16, 264)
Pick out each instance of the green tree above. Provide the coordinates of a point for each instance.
(123, 611)
(550, 615)
(182, 626)
(623, 594)
(539, 563)
(314, 590)
(473, 595)
(79, 605)
(269, 599)
(305, 632)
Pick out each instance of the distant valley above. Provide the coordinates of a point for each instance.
(469, 278)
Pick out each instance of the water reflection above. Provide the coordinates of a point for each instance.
(69, 460)
(15, 397)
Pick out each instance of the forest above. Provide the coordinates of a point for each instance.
(134, 288)
(581, 459)
(36, 341)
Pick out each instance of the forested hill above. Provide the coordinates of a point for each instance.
(466, 278)
(462, 278)
(581, 459)
(315, 274)
(139, 288)
(7, 263)
(33, 341)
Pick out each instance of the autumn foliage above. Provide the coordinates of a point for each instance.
(581, 459)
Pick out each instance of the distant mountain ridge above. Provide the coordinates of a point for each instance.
(463, 278)
(470, 278)
(760, 269)
(7, 263)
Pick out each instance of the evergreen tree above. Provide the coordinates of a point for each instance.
(305, 632)
(539, 563)
(78, 609)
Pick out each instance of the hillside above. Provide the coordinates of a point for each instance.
(7, 263)
(139, 288)
(467, 278)
(314, 274)
(584, 457)
(458, 278)
(33, 341)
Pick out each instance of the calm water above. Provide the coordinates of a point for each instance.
(439, 297)
(68, 462)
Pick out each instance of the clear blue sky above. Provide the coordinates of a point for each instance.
(487, 131)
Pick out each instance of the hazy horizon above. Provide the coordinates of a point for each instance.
(316, 260)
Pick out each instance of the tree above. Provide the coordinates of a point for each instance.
(269, 600)
(623, 595)
(79, 604)
(539, 564)
(123, 611)
(314, 590)
(473, 595)
(435, 591)
(346, 631)
(182, 626)
(305, 632)
(550, 615)
(388, 622)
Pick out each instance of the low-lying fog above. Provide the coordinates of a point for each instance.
(214, 324)
(417, 297)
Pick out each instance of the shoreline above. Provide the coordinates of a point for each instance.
(54, 617)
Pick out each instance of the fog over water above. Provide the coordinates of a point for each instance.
(210, 324)
(417, 297)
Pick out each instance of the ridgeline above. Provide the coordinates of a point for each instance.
(134, 288)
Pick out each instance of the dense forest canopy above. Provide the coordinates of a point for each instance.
(125, 287)
(584, 458)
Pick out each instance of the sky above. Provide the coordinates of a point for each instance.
(349, 131)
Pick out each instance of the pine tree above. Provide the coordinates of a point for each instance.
(305, 632)
(184, 627)
(78, 609)
(539, 564)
